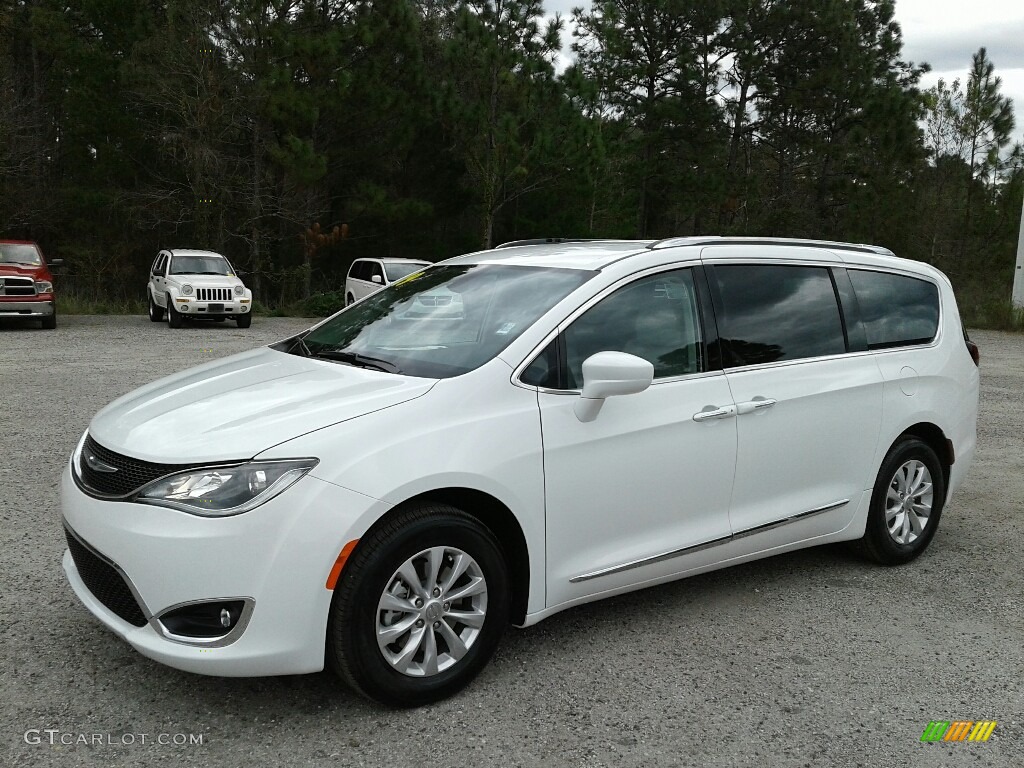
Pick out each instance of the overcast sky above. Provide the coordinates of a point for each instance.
(944, 33)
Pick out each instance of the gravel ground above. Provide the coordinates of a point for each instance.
(808, 659)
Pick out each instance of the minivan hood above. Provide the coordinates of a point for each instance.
(238, 407)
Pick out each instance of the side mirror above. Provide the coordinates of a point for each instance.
(377, 279)
(240, 273)
(55, 262)
(607, 374)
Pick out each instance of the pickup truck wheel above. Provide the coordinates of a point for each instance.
(350, 300)
(173, 315)
(50, 321)
(156, 313)
(244, 321)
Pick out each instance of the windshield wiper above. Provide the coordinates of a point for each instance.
(354, 358)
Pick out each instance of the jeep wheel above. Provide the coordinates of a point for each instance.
(173, 315)
(156, 313)
(244, 321)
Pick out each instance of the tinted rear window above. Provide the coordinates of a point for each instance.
(771, 313)
(896, 310)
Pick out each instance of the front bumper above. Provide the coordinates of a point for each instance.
(197, 308)
(26, 308)
(278, 555)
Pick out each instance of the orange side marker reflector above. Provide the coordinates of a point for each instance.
(332, 579)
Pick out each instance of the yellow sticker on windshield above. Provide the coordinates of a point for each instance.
(409, 278)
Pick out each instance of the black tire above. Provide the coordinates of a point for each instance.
(878, 543)
(352, 649)
(244, 321)
(156, 312)
(49, 322)
(350, 300)
(173, 315)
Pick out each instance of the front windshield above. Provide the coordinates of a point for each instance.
(19, 253)
(396, 270)
(444, 321)
(200, 265)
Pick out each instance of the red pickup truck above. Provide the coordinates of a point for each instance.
(26, 285)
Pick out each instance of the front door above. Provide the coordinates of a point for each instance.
(631, 494)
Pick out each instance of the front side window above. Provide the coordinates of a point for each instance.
(896, 310)
(445, 321)
(655, 318)
(771, 313)
(200, 265)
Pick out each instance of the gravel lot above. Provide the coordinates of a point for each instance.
(808, 659)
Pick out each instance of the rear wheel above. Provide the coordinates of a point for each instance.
(156, 312)
(419, 608)
(350, 300)
(173, 315)
(906, 503)
(244, 321)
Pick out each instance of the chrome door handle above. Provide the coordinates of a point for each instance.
(757, 404)
(710, 412)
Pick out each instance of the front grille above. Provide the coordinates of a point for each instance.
(213, 294)
(105, 583)
(131, 473)
(17, 286)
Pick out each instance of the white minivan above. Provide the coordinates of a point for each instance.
(385, 492)
(367, 276)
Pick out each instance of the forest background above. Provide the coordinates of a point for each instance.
(297, 135)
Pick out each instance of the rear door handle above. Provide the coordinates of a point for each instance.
(757, 404)
(710, 412)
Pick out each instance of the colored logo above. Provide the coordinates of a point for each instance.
(960, 730)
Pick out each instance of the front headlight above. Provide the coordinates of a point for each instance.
(186, 290)
(239, 290)
(44, 286)
(224, 491)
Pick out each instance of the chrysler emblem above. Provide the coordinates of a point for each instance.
(98, 466)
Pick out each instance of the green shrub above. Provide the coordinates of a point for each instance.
(321, 305)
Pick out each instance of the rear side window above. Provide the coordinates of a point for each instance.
(770, 313)
(360, 270)
(896, 310)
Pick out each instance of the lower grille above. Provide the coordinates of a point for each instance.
(105, 583)
(213, 294)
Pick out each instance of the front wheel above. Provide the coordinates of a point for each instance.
(156, 313)
(49, 322)
(906, 503)
(244, 321)
(173, 315)
(419, 608)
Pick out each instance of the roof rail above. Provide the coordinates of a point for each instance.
(548, 241)
(719, 240)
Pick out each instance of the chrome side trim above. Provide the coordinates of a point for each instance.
(791, 519)
(207, 642)
(650, 560)
(707, 544)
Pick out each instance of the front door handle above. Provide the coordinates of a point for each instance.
(710, 412)
(757, 404)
